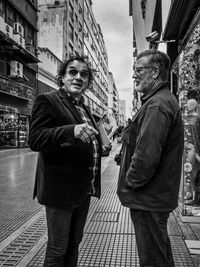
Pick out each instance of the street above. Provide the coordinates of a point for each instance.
(109, 238)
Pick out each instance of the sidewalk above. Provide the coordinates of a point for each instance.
(109, 238)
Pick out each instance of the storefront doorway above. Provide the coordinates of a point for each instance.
(13, 130)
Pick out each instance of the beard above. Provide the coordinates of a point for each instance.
(144, 86)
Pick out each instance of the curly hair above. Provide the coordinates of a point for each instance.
(63, 66)
(158, 58)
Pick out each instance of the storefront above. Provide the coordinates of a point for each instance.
(13, 128)
(186, 74)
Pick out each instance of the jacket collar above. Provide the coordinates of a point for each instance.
(156, 87)
(69, 103)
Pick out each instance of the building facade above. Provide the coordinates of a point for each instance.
(147, 19)
(69, 27)
(18, 69)
(47, 70)
(95, 50)
(122, 112)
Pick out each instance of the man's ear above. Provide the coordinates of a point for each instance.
(156, 72)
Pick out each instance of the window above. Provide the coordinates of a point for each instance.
(10, 15)
(143, 6)
(29, 35)
(80, 10)
(2, 8)
(71, 32)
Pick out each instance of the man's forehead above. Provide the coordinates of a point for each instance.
(143, 60)
(77, 63)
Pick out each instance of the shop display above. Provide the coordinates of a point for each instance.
(187, 71)
(23, 131)
(13, 130)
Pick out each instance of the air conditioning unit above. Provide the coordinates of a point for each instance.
(16, 69)
(5, 28)
(19, 39)
(8, 30)
(18, 28)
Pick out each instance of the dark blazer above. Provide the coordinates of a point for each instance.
(63, 172)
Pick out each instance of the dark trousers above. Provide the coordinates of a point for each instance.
(65, 232)
(154, 248)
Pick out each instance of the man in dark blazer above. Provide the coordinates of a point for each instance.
(65, 134)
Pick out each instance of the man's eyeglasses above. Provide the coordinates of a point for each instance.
(139, 69)
(84, 74)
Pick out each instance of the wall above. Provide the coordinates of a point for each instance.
(51, 31)
(142, 27)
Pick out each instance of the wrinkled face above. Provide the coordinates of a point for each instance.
(143, 75)
(76, 78)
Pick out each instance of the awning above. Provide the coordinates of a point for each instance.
(180, 16)
(16, 51)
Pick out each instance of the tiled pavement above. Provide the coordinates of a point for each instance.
(109, 238)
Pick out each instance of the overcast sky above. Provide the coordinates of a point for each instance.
(116, 25)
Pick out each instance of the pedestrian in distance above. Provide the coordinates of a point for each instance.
(65, 134)
(150, 168)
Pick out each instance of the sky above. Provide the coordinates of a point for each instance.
(116, 25)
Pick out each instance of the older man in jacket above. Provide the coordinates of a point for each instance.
(151, 162)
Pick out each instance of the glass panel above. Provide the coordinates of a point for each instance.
(8, 129)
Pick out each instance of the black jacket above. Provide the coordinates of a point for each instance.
(150, 171)
(64, 172)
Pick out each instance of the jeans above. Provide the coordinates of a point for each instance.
(154, 248)
(65, 232)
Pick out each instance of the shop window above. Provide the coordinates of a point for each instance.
(13, 130)
(186, 76)
(23, 131)
(8, 130)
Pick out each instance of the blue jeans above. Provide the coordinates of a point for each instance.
(154, 248)
(65, 232)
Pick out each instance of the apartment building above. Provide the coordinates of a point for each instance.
(69, 27)
(122, 112)
(18, 68)
(113, 98)
(95, 49)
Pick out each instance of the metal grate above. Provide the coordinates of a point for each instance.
(108, 250)
(181, 253)
(105, 216)
(38, 259)
(17, 249)
(117, 250)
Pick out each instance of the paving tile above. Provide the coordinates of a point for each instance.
(109, 238)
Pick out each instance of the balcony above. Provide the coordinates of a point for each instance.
(15, 50)
(15, 89)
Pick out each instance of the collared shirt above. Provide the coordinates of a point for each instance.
(84, 116)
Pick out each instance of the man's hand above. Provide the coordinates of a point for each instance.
(84, 131)
(106, 150)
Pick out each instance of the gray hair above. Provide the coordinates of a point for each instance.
(160, 59)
